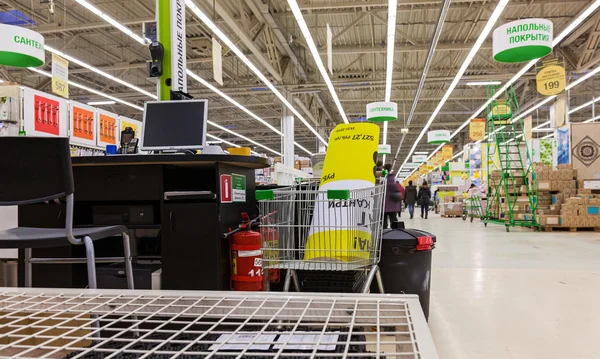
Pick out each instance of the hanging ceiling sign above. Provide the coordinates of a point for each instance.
(60, 76)
(522, 40)
(384, 149)
(477, 129)
(382, 111)
(550, 77)
(438, 136)
(21, 47)
(419, 158)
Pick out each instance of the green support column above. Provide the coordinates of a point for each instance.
(164, 37)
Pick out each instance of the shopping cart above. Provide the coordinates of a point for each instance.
(307, 229)
(472, 208)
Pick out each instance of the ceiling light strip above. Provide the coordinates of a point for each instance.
(389, 69)
(483, 83)
(315, 53)
(90, 90)
(99, 72)
(242, 137)
(221, 35)
(230, 100)
(482, 36)
(113, 22)
(591, 102)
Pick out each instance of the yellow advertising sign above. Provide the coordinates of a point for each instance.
(528, 127)
(60, 76)
(550, 77)
(446, 153)
(477, 129)
(423, 170)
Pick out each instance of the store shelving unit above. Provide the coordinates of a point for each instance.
(62, 323)
(512, 190)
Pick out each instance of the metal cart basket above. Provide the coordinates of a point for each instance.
(126, 324)
(472, 208)
(304, 228)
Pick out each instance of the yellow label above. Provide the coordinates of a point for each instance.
(352, 153)
(551, 80)
(345, 245)
(60, 74)
(477, 129)
(446, 153)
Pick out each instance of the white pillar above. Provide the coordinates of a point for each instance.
(287, 128)
(323, 133)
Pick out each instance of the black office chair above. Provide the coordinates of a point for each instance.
(38, 169)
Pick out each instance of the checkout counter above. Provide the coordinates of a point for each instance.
(189, 200)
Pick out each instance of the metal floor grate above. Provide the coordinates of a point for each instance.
(65, 323)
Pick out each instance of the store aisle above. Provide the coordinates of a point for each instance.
(513, 295)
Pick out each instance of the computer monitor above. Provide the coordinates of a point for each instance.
(174, 125)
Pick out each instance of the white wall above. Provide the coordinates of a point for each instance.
(8, 219)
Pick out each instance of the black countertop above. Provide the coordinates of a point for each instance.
(170, 159)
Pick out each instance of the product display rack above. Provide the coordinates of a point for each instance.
(63, 323)
(512, 191)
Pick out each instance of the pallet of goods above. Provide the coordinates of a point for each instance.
(563, 203)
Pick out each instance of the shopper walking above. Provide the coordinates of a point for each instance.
(393, 198)
(401, 196)
(424, 196)
(410, 198)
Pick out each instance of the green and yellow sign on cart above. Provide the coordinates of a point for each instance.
(21, 47)
(522, 40)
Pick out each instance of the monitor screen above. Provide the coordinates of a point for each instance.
(173, 125)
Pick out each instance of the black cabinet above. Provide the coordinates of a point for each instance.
(191, 247)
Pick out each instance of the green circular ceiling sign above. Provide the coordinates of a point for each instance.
(21, 47)
(522, 40)
(382, 111)
(438, 137)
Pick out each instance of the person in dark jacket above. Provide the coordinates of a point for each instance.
(425, 197)
(401, 196)
(410, 198)
(393, 198)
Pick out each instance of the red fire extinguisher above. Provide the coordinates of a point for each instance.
(246, 258)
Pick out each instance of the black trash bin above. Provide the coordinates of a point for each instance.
(406, 262)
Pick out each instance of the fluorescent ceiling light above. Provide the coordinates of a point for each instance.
(592, 119)
(221, 35)
(542, 130)
(482, 36)
(242, 137)
(551, 135)
(113, 22)
(100, 103)
(1, 81)
(90, 90)
(389, 70)
(583, 78)
(591, 102)
(315, 53)
(533, 108)
(421, 153)
(99, 72)
(222, 141)
(542, 125)
(232, 101)
(483, 83)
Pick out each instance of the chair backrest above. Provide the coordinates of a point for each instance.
(34, 169)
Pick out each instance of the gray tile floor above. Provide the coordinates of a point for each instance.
(513, 295)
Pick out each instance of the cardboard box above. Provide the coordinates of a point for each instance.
(544, 185)
(551, 220)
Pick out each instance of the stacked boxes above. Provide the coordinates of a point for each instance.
(451, 209)
(561, 203)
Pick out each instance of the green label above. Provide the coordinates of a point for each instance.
(28, 42)
(238, 187)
